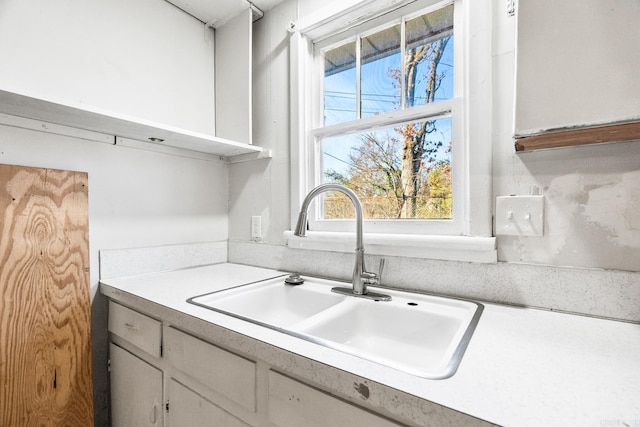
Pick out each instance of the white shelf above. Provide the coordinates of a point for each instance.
(123, 127)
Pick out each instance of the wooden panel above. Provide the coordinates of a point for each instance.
(221, 371)
(188, 409)
(136, 391)
(573, 137)
(140, 330)
(45, 314)
(294, 404)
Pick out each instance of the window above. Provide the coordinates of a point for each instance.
(382, 106)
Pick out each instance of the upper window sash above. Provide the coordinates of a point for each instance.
(357, 47)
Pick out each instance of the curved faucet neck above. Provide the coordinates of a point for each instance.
(358, 279)
(301, 227)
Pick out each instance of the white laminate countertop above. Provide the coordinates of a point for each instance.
(523, 367)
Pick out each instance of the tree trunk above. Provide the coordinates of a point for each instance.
(414, 139)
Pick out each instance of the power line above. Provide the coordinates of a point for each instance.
(338, 159)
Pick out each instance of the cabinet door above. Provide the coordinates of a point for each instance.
(188, 409)
(136, 391)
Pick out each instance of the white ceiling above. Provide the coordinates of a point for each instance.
(266, 4)
(217, 12)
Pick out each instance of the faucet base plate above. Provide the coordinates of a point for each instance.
(369, 295)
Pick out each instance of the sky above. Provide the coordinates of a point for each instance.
(379, 95)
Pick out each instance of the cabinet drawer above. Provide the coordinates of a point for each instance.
(189, 409)
(219, 370)
(140, 330)
(294, 404)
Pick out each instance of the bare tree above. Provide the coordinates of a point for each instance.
(416, 145)
(395, 183)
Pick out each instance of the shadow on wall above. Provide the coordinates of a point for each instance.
(100, 350)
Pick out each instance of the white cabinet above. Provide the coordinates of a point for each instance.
(564, 51)
(189, 383)
(140, 86)
(192, 382)
(577, 64)
(234, 78)
(136, 391)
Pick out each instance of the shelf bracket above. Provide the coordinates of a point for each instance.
(241, 158)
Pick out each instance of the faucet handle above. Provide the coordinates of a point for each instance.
(373, 278)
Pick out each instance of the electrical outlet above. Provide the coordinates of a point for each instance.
(256, 227)
(519, 215)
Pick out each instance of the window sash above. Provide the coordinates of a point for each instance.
(453, 226)
(418, 113)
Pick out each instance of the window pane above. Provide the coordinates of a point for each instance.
(397, 172)
(429, 58)
(339, 84)
(380, 72)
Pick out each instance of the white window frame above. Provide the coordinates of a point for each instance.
(471, 130)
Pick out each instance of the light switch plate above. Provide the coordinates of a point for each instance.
(519, 215)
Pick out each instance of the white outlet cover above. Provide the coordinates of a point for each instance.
(256, 227)
(519, 216)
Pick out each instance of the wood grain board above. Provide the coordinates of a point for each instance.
(45, 312)
(618, 132)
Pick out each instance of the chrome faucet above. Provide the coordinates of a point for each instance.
(361, 278)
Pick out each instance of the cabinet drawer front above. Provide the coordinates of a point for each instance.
(189, 409)
(140, 330)
(294, 404)
(219, 370)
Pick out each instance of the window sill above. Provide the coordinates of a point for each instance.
(450, 248)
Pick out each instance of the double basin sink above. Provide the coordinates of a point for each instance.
(420, 334)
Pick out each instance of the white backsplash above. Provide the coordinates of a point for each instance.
(609, 294)
(131, 262)
(594, 292)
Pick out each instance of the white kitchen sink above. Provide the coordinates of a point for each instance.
(271, 302)
(420, 334)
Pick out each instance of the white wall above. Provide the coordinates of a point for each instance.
(142, 58)
(136, 199)
(592, 193)
(263, 187)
